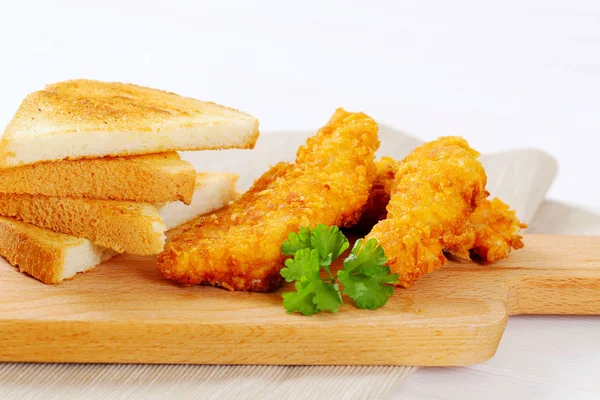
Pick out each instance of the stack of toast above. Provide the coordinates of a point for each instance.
(89, 170)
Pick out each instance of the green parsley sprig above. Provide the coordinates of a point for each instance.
(365, 277)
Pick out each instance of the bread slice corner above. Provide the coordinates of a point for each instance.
(213, 190)
(48, 256)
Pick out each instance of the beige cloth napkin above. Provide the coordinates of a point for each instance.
(520, 178)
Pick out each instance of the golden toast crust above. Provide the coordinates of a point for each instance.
(152, 178)
(88, 119)
(91, 106)
(35, 251)
(130, 227)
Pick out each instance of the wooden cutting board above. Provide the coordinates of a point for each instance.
(124, 312)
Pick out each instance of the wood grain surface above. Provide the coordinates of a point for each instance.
(123, 311)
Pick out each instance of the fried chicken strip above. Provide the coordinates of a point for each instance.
(435, 190)
(492, 232)
(379, 196)
(236, 207)
(239, 248)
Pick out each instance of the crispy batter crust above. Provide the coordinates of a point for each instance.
(379, 196)
(492, 232)
(435, 190)
(239, 247)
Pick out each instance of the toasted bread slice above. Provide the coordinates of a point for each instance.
(46, 255)
(135, 228)
(123, 226)
(213, 191)
(86, 119)
(52, 256)
(148, 178)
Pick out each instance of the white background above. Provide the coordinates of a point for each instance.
(503, 74)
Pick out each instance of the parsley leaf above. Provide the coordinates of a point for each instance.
(297, 241)
(365, 276)
(329, 242)
(302, 300)
(304, 266)
(312, 293)
(366, 259)
(368, 291)
(312, 296)
(328, 297)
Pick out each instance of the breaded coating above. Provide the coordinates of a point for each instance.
(492, 232)
(239, 248)
(379, 196)
(436, 189)
(238, 205)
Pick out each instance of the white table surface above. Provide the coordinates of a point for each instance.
(504, 75)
